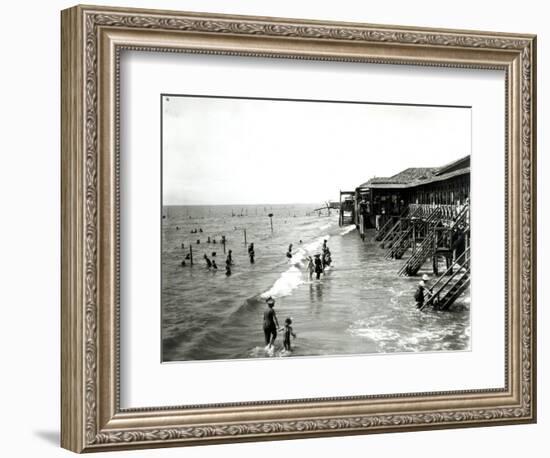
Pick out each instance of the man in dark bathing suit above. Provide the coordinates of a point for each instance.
(271, 324)
(318, 266)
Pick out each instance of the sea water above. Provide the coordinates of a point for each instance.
(359, 306)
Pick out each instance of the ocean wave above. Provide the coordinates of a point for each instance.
(348, 229)
(285, 284)
(316, 244)
(292, 277)
(362, 328)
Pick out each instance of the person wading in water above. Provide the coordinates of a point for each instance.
(271, 324)
(310, 267)
(421, 292)
(251, 253)
(289, 252)
(208, 262)
(288, 331)
(318, 266)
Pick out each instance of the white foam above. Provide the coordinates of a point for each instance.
(348, 229)
(376, 334)
(292, 278)
(285, 284)
(316, 244)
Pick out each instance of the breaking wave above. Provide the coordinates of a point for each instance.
(292, 277)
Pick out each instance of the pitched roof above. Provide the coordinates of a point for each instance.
(461, 163)
(416, 176)
(406, 176)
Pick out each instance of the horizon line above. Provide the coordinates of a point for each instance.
(240, 203)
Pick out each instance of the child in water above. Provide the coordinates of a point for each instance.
(287, 330)
(310, 267)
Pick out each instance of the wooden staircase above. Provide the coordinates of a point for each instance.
(427, 248)
(449, 286)
(396, 230)
(402, 244)
(389, 225)
(423, 252)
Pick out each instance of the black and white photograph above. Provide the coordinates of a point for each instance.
(313, 228)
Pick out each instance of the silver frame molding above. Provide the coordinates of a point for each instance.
(92, 39)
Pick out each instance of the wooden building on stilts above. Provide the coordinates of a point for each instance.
(421, 215)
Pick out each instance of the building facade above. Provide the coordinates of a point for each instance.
(383, 198)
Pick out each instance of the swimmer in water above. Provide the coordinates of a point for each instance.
(310, 267)
(288, 331)
(326, 258)
(271, 323)
(318, 266)
(208, 262)
(214, 265)
(289, 252)
(251, 253)
(422, 292)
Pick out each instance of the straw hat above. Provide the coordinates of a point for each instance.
(425, 277)
(270, 300)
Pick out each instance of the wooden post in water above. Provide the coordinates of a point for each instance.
(191, 254)
(223, 242)
(244, 237)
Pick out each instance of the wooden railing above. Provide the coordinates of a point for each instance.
(448, 212)
(449, 275)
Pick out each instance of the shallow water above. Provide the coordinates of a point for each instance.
(359, 306)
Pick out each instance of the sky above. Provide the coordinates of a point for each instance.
(220, 151)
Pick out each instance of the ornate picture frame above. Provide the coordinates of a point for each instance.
(92, 40)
